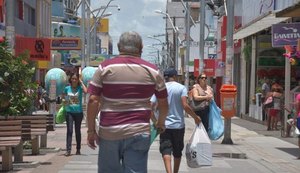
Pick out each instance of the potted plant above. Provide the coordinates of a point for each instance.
(17, 89)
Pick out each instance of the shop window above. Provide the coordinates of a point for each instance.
(30, 15)
(20, 10)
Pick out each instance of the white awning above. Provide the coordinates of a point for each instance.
(257, 25)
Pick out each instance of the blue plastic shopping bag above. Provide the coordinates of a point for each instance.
(216, 125)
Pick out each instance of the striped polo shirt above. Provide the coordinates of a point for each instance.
(125, 85)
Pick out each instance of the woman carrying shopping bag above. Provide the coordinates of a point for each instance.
(73, 104)
(204, 93)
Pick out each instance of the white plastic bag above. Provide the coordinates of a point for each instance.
(198, 149)
(295, 131)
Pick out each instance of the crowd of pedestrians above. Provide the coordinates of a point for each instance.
(125, 91)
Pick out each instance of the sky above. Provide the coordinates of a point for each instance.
(139, 16)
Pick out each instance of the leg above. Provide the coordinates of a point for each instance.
(167, 161)
(299, 146)
(177, 161)
(109, 157)
(135, 157)
(268, 119)
(78, 120)
(178, 145)
(166, 149)
(204, 117)
(69, 121)
(288, 130)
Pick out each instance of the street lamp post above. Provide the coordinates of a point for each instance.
(86, 29)
(163, 48)
(158, 59)
(176, 41)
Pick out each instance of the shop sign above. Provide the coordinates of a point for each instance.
(209, 67)
(96, 59)
(285, 34)
(39, 48)
(66, 44)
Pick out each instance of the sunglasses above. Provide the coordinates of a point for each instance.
(203, 77)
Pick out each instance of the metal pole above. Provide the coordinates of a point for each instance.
(201, 40)
(187, 56)
(88, 35)
(82, 31)
(94, 46)
(228, 67)
(10, 25)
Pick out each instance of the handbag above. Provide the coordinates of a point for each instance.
(269, 102)
(216, 125)
(61, 115)
(198, 105)
(198, 149)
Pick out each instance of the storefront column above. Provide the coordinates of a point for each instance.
(287, 89)
(253, 67)
(243, 82)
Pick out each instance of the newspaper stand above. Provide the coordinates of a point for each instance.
(228, 100)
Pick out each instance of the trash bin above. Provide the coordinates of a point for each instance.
(228, 100)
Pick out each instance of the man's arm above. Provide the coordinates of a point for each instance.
(163, 108)
(92, 111)
(190, 111)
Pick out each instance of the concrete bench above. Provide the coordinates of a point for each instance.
(10, 136)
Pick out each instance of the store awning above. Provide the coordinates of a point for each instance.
(292, 11)
(258, 24)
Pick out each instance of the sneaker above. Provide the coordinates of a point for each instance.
(68, 153)
(78, 152)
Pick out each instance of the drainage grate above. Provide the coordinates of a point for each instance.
(231, 155)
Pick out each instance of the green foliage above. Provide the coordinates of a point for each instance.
(247, 52)
(17, 90)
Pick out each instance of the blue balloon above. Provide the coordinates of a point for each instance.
(60, 78)
(87, 74)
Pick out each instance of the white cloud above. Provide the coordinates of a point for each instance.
(136, 15)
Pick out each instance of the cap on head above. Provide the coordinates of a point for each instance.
(170, 72)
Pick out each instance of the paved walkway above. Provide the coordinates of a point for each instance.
(254, 150)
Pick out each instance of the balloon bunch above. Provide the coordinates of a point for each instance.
(292, 54)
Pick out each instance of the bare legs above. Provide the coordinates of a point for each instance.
(168, 165)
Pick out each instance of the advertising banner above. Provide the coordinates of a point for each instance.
(66, 43)
(39, 48)
(285, 34)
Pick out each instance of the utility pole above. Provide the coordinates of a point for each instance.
(175, 35)
(201, 40)
(228, 66)
(10, 25)
(82, 31)
(187, 38)
(88, 34)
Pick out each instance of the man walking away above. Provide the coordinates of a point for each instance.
(125, 85)
(172, 140)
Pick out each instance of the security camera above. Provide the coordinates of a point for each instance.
(119, 8)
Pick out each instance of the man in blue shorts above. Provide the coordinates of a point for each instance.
(172, 140)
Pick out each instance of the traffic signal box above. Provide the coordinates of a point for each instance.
(228, 100)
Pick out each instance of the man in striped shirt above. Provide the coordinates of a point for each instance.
(124, 85)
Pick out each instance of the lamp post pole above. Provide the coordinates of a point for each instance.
(201, 40)
(187, 56)
(176, 39)
(82, 31)
(228, 67)
(88, 35)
